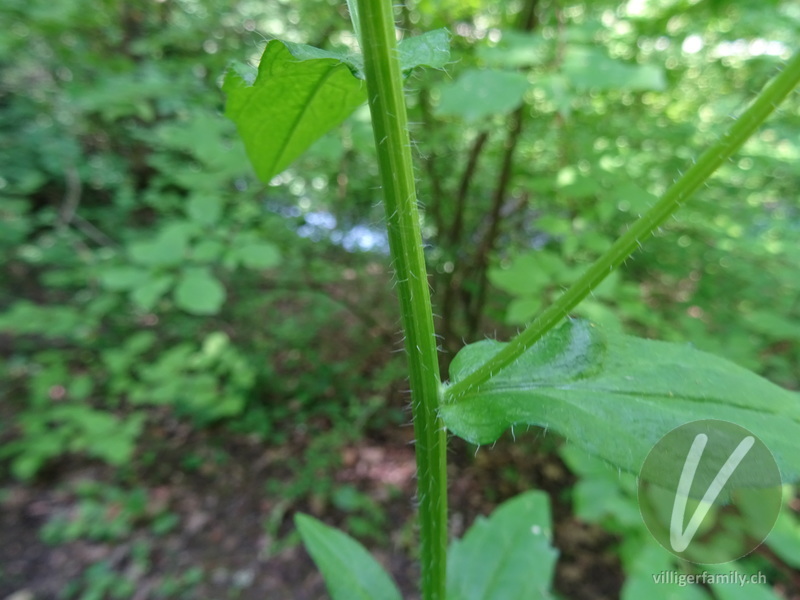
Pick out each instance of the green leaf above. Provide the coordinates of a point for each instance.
(306, 52)
(516, 49)
(123, 278)
(729, 584)
(784, 539)
(349, 571)
(146, 295)
(33, 454)
(522, 310)
(199, 292)
(616, 395)
(775, 326)
(293, 101)
(207, 250)
(257, 255)
(557, 90)
(602, 494)
(204, 209)
(506, 556)
(649, 561)
(529, 273)
(167, 248)
(641, 585)
(431, 49)
(477, 94)
(590, 68)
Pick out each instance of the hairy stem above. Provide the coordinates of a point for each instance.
(772, 95)
(390, 127)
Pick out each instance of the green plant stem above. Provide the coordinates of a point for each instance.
(390, 126)
(771, 96)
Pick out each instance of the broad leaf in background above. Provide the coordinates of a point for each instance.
(650, 561)
(301, 92)
(607, 497)
(784, 539)
(145, 287)
(617, 395)
(167, 248)
(431, 49)
(603, 494)
(589, 68)
(349, 570)
(199, 292)
(306, 52)
(734, 590)
(508, 556)
(147, 295)
(291, 102)
(478, 94)
(71, 428)
(122, 278)
(516, 49)
(252, 253)
(204, 209)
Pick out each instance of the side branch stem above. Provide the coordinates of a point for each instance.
(770, 97)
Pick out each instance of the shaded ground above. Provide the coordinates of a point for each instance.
(236, 527)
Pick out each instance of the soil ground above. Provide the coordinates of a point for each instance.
(230, 525)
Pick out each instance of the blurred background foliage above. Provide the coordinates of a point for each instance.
(152, 286)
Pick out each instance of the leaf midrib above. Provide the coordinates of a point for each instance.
(501, 389)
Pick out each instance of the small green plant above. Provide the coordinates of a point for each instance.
(98, 581)
(103, 579)
(607, 497)
(70, 425)
(612, 395)
(104, 513)
(181, 585)
(364, 516)
(116, 516)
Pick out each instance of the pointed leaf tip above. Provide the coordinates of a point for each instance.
(350, 572)
(298, 95)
